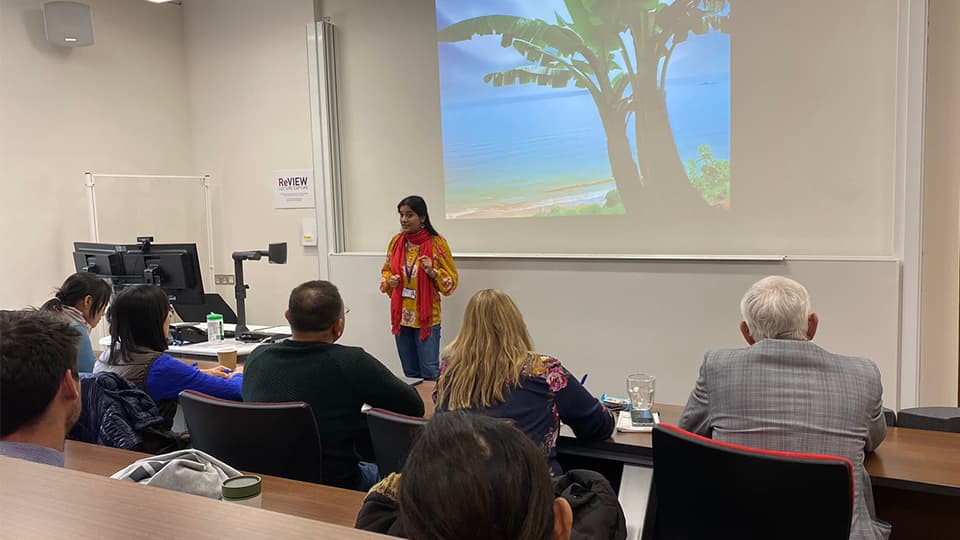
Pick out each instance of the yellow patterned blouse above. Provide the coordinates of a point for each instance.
(445, 282)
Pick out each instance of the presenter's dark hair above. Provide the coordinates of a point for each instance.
(77, 287)
(36, 350)
(136, 320)
(314, 306)
(419, 207)
(474, 477)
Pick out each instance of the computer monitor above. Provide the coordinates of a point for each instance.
(173, 267)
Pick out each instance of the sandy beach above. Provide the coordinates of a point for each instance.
(572, 196)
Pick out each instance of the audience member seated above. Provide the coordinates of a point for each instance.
(39, 388)
(140, 320)
(81, 301)
(490, 368)
(469, 477)
(334, 379)
(785, 393)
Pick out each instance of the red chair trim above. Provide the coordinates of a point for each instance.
(247, 404)
(390, 414)
(763, 451)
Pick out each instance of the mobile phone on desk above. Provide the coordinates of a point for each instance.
(641, 418)
(615, 404)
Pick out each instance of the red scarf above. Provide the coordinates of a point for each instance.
(424, 284)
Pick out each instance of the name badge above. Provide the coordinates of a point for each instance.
(409, 293)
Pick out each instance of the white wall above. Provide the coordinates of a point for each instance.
(601, 317)
(126, 105)
(612, 318)
(940, 294)
(118, 106)
(247, 65)
(812, 128)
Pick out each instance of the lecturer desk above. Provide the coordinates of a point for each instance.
(39, 501)
(303, 499)
(915, 473)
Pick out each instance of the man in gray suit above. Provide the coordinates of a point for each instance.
(785, 393)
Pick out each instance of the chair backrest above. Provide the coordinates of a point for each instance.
(708, 489)
(392, 435)
(279, 439)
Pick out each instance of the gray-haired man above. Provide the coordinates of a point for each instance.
(783, 392)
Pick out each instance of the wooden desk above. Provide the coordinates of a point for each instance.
(916, 483)
(40, 501)
(303, 499)
(917, 460)
(425, 389)
(911, 459)
(915, 473)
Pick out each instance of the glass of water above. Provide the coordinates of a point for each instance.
(641, 388)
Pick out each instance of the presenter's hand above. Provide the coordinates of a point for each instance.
(427, 266)
(393, 281)
(219, 371)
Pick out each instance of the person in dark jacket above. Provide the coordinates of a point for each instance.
(336, 380)
(473, 477)
(116, 413)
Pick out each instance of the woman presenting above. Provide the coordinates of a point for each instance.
(418, 270)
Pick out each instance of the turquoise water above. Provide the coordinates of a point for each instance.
(507, 150)
(514, 144)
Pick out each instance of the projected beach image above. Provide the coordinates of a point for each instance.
(580, 107)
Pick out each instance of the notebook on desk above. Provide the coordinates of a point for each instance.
(625, 425)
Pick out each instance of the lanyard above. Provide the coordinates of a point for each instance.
(408, 269)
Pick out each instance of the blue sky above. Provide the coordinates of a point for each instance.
(464, 63)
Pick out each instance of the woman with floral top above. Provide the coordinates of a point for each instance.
(419, 269)
(490, 368)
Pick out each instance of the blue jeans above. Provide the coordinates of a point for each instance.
(369, 475)
(420, 359)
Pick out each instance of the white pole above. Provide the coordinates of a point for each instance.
(322, 192)
(92, 207)
(208, 205)
(149, 176)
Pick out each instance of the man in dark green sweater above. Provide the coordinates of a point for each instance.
(334, 379)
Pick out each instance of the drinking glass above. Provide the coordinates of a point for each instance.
(641, 388)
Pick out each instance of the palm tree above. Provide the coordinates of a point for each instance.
(560, 55)
(642, 35)
(655, 31)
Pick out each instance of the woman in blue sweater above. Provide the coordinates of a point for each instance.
(140, 320)
(81, 301)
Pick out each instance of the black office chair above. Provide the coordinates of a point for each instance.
(708, 489)
(278, 439)
(930, 418)
(392, 435)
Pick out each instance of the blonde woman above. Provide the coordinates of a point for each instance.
(490, 368)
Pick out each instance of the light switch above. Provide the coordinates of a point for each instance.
(308, 232)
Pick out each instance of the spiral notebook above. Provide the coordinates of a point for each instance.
(624, 425)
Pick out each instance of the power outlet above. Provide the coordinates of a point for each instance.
(224, 279)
